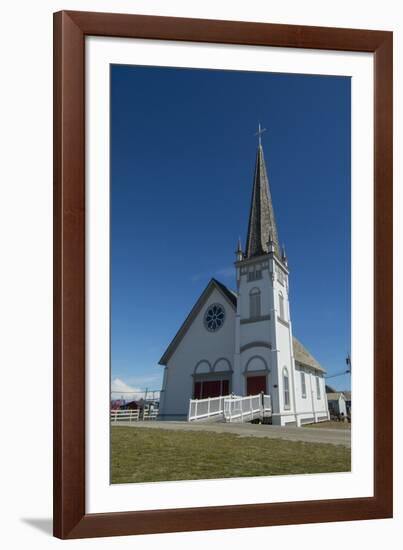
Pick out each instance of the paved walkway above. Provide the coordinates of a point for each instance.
(310, 435)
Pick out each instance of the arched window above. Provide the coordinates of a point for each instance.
(254, 303)
(281, 305)
(286, 388)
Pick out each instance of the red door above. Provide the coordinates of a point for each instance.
(197, 390)
(210, 388)
(255, 385)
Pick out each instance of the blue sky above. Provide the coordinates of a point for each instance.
(182, 160)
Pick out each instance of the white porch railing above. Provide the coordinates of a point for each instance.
(245, 409)
(230, 408)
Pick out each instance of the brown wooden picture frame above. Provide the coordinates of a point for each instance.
(70, 517)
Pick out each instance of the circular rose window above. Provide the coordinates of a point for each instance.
(214, 317)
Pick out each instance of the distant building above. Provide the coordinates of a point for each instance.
(117, 404)
(242, 342)
(337, 403)
(347, 395)
(131, 405)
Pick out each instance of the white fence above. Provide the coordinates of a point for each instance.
(230, 408)
(149, 414)
(125, 415)
(133, 415)
(139, 395)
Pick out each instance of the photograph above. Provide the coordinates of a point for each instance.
(200, 198)
(230, 224)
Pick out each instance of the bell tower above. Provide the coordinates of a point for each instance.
(264, 359)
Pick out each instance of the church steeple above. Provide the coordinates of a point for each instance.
(262, 225)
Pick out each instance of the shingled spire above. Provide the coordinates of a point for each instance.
(262, 225)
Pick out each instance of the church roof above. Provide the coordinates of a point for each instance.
(262, 224)
(213, 283)
(302, 355)
(230, 294)
(335, 396)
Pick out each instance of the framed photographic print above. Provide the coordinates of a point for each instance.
(223, 274)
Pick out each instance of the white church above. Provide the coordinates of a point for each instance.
(242, 342)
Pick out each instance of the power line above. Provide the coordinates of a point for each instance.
(339, 374)
(348, 371)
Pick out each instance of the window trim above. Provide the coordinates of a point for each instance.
(216, 326)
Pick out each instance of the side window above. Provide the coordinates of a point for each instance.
(303, 384)
(280, 275)
(286, 388)
(254, 303)
(254, 272)
(318, 387)
(281, 305)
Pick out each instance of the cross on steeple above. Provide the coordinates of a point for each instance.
(259, 133)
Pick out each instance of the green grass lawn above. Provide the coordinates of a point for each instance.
(330, 424)
(141, 454)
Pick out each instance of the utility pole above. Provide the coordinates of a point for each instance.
(348, 363)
